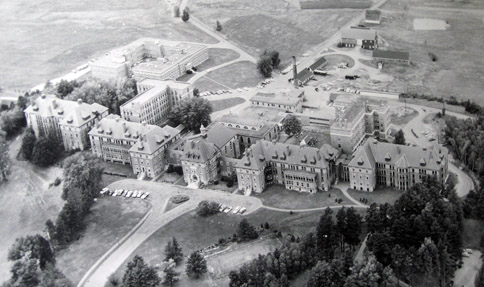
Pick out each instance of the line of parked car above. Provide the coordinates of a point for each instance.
(125, 193)
(219, 92)
(227, 208)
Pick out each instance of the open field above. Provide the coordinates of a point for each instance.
(223, 104)
(237, 75)
(458, 70)
(194, 233)
(46, 39)
(379, 196)
(110, 219)
(277, 196)
(277, 24)
(26, 203)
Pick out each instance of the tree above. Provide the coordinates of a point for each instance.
(4, 161)
(28, 143)
(138, 273)
(196, 93)
(264, 65)
(341, 226)
(326, 235)
(176, 11)
(12, 121)
(185, 15)
(173, 251)
(327, 274)
(218, 26)
(192, 112)
(64, 88)
(274, 56)
(196, 265)
(429, 260)
(34, 247)
(292, 125)
(47, 150)
(206, 208)
(353, 227)
(399, 138)
(170, 277)
(365, 274)
(246, 232)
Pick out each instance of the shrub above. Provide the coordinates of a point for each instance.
(177, 199)
(178, 169)
(170, 168)
(207, 208)
(230, 183)
(57, 181)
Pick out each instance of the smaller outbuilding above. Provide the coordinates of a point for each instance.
(394, 57)
(373, 16)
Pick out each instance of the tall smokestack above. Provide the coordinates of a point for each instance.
(294, 71)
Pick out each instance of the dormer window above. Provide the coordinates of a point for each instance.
(422, 162)
(35, 108)
(304, 159)
(100, 130)
(60, 112)
(109, 132)
(360, 161)
(388, 157)
(127, 134)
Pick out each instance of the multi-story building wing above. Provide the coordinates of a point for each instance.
(140, 145)
(395, 165)
(68, 120)
(200, 161)
(286, 101)
(154, 101)
(300, 168)
(166, 60)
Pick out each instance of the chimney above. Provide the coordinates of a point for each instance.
(79, 101)
(294, 71)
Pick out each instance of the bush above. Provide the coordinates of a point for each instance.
(170, 168)
(177, 199)
(178, 169)
(230, 183)
(57, 181)
(206, 208)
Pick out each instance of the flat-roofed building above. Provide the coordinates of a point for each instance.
(150, 58)
(68, 120)
(373, 16)
(377, 163)
(154, 101)
(300, 168)
(142, 146)
(289, 101)
(356, 118)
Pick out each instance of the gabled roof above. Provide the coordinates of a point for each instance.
(321, 61)
(74, 113)
(147, 138)
(199, 150)
(400, 156)
(358, 33)
(276, 99)
(217, 134)
(397, 55)
(304, 75)
(284, 153)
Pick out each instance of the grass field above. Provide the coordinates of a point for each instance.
(379, 196)
(237, 75)
(111, 218)
(223, 104)
(332, 4)
(277, 196)
(45, 39)
(458, 70)
(275, 24)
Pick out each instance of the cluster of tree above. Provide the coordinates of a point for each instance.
(42, 151)
(419, 237)
(4, 161)
(82, 182)
(276, 268)
(269, 60)
(64, 88)
(138, 273)
(348, 227)
(246, 232)
(34, 264)
(111, 94)
(13, 120)
(292, 125)
(173, 251)
(399, 138)
(207, 208)
(192, 112)
(470, 106)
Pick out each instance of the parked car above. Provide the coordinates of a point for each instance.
(222, 208)
(147, 194)
(236, 210)
(228, 209)
(129, 193)
(242, 210)
(140, 193)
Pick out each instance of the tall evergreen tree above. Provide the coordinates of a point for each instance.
(326, 235)
(138, 273)
(196, 265)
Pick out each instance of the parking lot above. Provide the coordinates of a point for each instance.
(125, 193)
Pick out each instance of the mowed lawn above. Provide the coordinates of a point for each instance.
(458, 70)
(236, 75)
(46, 39)
(110, 219)
(379, 196)
(223, 104)
(195, 233)
(277, 196)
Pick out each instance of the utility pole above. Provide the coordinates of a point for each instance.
(443, 106)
